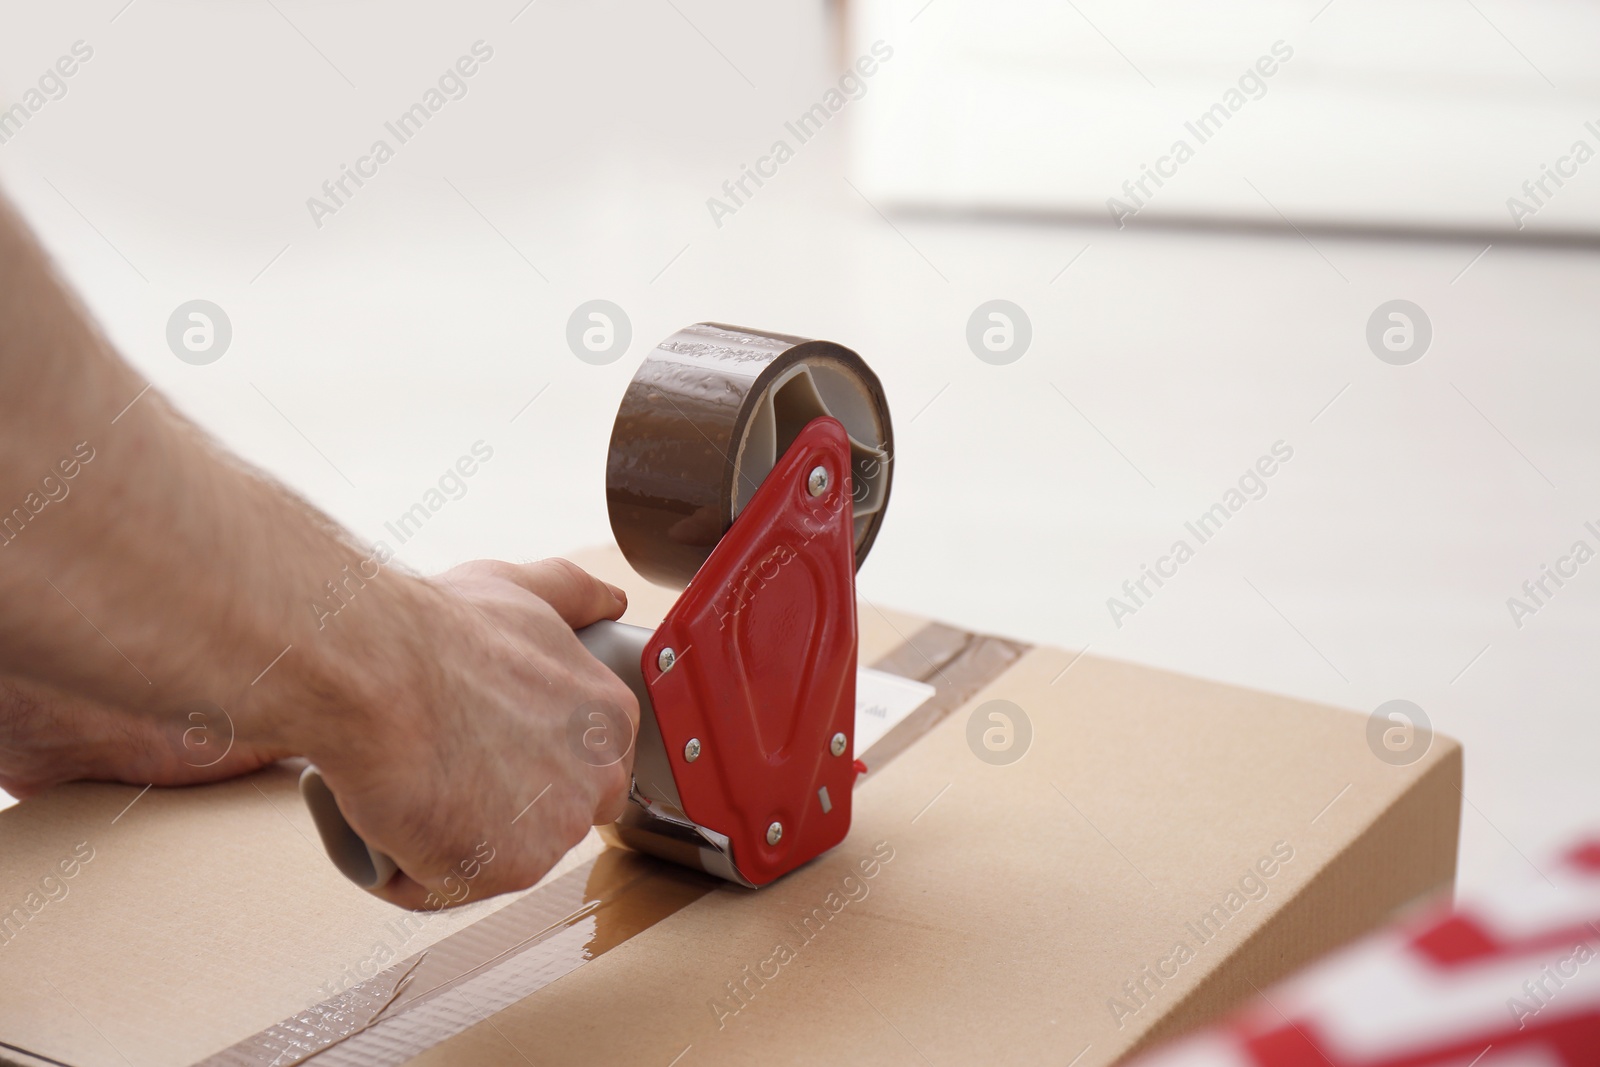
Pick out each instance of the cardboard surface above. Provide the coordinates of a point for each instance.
(1009, 911)
(1023, 900)
(200, 910)
(1017, 906)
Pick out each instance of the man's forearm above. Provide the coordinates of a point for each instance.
(145, 570)
(138, 564)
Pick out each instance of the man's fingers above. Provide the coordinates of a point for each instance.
(569, 731)
(611, 810)
(406, 892)
(403, 891)
(578, 596)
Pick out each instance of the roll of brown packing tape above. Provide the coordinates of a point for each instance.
(704, 420)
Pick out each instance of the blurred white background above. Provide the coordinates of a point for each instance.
(1413, 113)
(371, 351)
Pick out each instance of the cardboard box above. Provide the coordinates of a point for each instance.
(1162, 846)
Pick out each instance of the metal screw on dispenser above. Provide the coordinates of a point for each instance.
(666, 659)
(817, 483)
(837, 745)
(775, 833)
(691, 751)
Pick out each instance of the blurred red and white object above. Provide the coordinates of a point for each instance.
(1509, 979)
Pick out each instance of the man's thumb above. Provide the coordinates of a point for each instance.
(578, 596)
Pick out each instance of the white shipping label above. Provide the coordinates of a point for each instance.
(882, 701)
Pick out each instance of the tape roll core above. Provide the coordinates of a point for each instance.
(704, 420)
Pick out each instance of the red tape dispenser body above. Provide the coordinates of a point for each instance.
(755, 708)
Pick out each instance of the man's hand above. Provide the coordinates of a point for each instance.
(468, 776)
(473, 774)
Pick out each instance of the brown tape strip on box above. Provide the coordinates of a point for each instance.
(511, 954)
